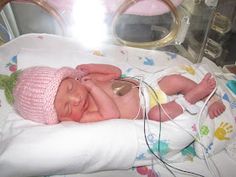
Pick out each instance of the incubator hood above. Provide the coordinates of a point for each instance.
(184, 27)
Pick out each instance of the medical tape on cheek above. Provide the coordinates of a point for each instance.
(186, 106)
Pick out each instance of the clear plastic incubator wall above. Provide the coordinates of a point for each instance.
(184, 27)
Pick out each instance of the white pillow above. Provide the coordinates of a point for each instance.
(33, 149)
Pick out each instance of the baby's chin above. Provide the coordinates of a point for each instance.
(87, 120)
(84, 121)
(76, 118)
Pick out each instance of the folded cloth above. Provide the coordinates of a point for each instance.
(32, 149)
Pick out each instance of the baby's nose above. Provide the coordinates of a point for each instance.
(75, 100)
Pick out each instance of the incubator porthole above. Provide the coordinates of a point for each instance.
(131, 35)
(46, 7)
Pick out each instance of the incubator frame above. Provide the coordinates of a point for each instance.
(45, 6)
(170, 37)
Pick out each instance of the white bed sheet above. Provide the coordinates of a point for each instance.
(225, 164)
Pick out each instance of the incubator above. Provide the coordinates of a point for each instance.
(190, 28)
(147, 40)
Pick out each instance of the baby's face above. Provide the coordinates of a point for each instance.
(71, 100)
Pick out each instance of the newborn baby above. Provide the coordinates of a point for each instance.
(96, 92)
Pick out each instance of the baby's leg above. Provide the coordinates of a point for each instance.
(171, 109)
(176, 84)
(200, 91)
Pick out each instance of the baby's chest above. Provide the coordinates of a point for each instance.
(121, 92)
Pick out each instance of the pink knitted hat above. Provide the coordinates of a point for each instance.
(35, 92)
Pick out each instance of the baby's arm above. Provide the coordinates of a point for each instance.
(107, 109)
(101, 72)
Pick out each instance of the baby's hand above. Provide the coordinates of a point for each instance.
(82, 70)
(87, 82)
(86, 68)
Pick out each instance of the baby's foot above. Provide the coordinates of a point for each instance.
(215, 107)
(202, 90)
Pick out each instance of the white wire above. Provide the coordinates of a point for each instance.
(198, 127)
(198, 139)
(199, 135)
(162, 160)
(140, 92)
(169, 117)
(141, 86)
(198, 132)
